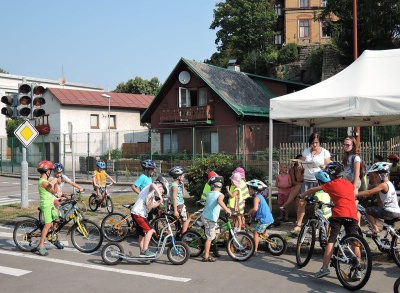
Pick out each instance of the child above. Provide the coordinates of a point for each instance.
(99, 178)
(344, 212)
(144, 203)
(260, 209)
(46, 191)
(284, 184)
(177, 190)
(215, 200)
(144, 179)
(244, 191)
(207, 187)
(235, 201)
(387, 194)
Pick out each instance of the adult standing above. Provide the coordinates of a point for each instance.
(321, 157)
(352, 162)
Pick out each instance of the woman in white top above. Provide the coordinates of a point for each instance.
(321, 157)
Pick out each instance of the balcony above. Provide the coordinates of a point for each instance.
(188, 114)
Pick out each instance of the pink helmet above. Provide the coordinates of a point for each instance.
(236, 179)
(240, 171)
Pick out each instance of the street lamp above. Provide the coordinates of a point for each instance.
(109, 124)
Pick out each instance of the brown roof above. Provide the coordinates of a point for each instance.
(94, 98)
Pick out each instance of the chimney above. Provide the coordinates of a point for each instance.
(233, 66)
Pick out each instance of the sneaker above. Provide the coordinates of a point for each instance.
(322, 273)
(58, 244)
(255, 253)
(356, 276)
(147, 253)
(43, 251)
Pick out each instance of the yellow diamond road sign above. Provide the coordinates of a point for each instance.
(26, 133)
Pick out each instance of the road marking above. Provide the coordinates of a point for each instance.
(13, 272)
(5, 234)
(97, 267)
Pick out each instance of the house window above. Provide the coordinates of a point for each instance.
(170, 143)
(203, 96)
(210, 142)
(278, 38)
(278, 9)
(326, 31)
(304, 29)
(113, 121)
(184, 97)
(94, 121)
(323, 3)
(192, 97)
(303, 3)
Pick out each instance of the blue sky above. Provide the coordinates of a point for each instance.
(103, 42)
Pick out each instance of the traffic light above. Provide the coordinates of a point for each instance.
(24, 99)
(11, 103)
(38, 101)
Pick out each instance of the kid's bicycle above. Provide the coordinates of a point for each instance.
(116, 226)
(85, 234)
(240, 245)
(103, 201)
(177, 252)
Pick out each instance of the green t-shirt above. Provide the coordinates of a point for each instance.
(207, 189)
(46, 197)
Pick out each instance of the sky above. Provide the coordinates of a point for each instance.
(103, 43)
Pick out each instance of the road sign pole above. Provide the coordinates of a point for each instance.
(24, 180)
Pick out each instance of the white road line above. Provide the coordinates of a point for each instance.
(97, 267)
(13, 272)
(5, 234)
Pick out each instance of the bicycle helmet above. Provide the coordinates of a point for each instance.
(257, 184)
(211, 174)
(45, 166)
(58, 167)
(380, 167)
(164, 183)
(176, 171)
(334, 168)
(216, 181)
(101, 164)
(148, 164)
(322, 176)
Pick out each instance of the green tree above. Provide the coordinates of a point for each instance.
(378, 25)
(243, 26)
(3, 71)
(139, 86)
(12, 141)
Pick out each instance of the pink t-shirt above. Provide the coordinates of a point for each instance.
(284, 180)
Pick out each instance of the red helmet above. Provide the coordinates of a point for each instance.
(394, 157)
(44, 166)
(212, 174)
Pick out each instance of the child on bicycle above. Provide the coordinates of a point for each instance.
(47, 188)
(260, 209)
(144, 203)
(235, 201)
(214, 202)
(207, 187)
(387, 193)
(99, 178)
(344, 213)
(176, 195)
(144, 179)
(62, 178)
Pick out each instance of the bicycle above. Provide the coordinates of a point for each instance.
(240, 245)
(275, 243)
(177, 252)
(116, 226)
(396, 285)
(391, 247)
(85, 234)
(307, 236)
(104, 200)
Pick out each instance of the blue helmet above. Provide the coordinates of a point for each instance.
(101, 164)
(322, 176)
(58, 167)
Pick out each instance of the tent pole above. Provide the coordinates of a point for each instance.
(270, 141)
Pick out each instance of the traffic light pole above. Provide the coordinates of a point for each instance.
(24, 180)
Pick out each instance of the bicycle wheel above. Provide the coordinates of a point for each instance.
(194, 241)
(222, 239)
(111, 253)
(159, 222)
(93, 203)
(396, 286)
(355, 273)
(82, 206)
(305, 244)
(276, 245)
(27, 234)
(179, 254)
(322, 237)
(109, 205)
(241, 246)
(115, 227)
(87, 236)
(395, 248)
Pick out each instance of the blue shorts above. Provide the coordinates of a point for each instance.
(260, 228)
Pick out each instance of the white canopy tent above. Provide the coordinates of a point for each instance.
(366, 93)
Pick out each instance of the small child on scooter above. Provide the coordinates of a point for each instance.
(144, 203)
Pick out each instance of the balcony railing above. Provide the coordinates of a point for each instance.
(187, 114)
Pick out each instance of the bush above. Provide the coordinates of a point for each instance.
(288, 54)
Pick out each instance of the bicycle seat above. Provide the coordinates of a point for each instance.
(128, 205)
(392, 221)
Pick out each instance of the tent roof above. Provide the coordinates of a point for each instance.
(366, 93)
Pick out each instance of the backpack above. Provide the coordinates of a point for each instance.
(363, 167)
